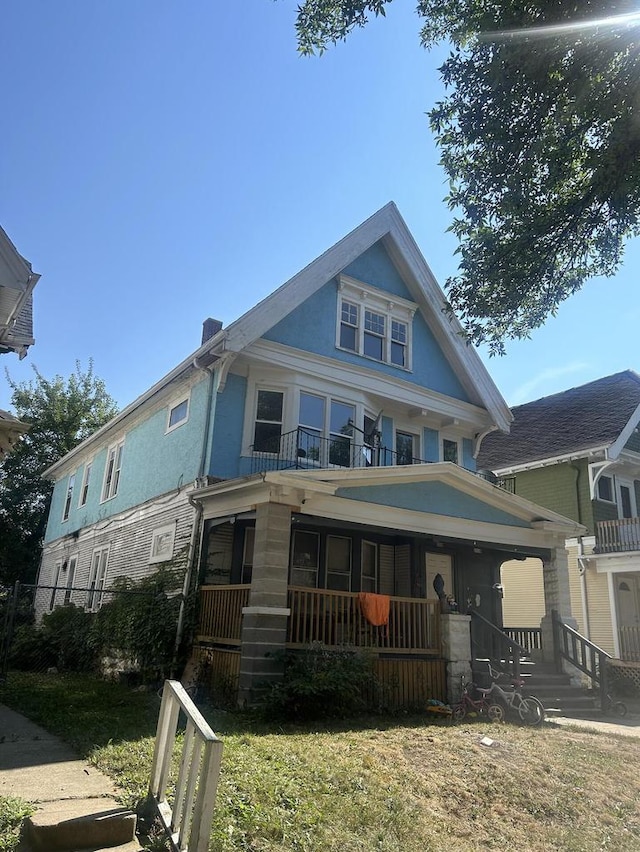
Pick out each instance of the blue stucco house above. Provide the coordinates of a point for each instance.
(315, 457)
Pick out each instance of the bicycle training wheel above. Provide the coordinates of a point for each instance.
(531, 711)
(495, 712)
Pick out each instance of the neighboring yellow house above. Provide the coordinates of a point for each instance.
(578, 453)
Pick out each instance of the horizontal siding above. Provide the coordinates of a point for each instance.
(523, 602)
(129, 542)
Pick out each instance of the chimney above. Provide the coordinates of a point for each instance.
(210, 327)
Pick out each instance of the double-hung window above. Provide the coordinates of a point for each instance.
(69, 497)
(374, 324)
(268, 423)
(97, 578)
(84, 488)
(325, 431)
(112, 471)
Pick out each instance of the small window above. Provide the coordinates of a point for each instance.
(450, 451)
(304, 559)
(349, 326)
(112, 471)
(71, 578)
(67, 502)
(268, 425)
(84, 490)
(247, 554)
(406, 448)
(178, 414)
(162, 541)
(605, 489)
(399, 343)
(369, 576)
(97, 579)
(338, 563)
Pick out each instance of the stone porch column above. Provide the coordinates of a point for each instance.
(455, 631)
(264, 621)
(557, 596)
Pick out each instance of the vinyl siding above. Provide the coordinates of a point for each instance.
(523, 602)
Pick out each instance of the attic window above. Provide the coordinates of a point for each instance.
(374, 324)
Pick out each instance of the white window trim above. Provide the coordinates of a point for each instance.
(390, 306)
(93, 600)
(68, 496)
(613, 501)
(86, 477)
(117, 448)
(72, 567)
(454, 440)
(155, 536)
(185, 398)
(416, 443)
(253, 412)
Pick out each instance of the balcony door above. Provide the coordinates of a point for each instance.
(626, 498)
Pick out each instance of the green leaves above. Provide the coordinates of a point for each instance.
(540, 141)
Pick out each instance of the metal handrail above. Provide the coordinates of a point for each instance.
(515, 650)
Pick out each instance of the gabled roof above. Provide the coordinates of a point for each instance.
(388, 226)
(17, 281)
(591, 417)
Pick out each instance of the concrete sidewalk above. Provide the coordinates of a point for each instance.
(73, 798)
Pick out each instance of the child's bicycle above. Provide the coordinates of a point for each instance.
(479, 705)
(527, 708)
(614, 707)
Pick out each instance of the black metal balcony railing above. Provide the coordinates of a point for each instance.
(303, 449)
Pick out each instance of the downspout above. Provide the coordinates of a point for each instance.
(195, 530)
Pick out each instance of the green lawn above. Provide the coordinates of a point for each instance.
(391, 784)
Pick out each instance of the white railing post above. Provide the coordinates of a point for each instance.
(188, 821)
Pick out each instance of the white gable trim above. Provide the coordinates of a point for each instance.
(618, 445)
(386, 224)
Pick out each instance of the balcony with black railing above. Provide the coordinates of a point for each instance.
(304, 449)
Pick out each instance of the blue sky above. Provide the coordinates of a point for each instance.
(162, 162)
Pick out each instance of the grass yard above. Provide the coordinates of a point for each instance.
(390, 784)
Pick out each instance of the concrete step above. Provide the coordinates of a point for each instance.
(72, 824)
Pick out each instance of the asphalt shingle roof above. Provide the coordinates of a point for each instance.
(575, 420)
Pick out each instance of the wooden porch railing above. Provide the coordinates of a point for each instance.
(335, 619)
(629, 644)
(331, 618)
(530, 638)
(580, 652)
(618, 536)
(221, 613)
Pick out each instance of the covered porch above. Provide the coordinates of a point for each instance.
(288, 559)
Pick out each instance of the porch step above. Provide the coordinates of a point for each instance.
(74, 824)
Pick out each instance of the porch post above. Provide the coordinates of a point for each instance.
(264, 621)
(455, 630)
(557, 596)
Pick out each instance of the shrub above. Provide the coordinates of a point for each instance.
(322, 683)
(62, 639)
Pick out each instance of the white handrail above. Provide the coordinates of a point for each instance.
(188, 823)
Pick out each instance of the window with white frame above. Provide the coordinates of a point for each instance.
(97, 579)
(268, 421)
(325, 430)
(112, 471)
(178, 414)
(71, 578)
(374, 324)
(450, 452)
(57, 570)
(162, 541)
(605, 489)
(84, 488)
(69, 497)
(407, 448)
(304, 559)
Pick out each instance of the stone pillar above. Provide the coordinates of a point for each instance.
(557, 596)
(264, 621)
(456, 650)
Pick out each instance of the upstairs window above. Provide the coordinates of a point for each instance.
(406, 448)
(178, 414)
(374, 324)
(605, 489)
(450, 451)
(112, 471)
(67, 502)
(84, 488)
(268, 424)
